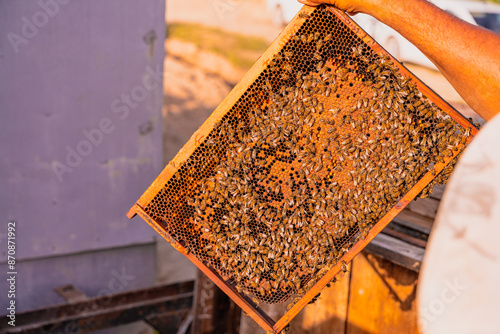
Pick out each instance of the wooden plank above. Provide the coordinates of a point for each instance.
(203, 306)
(408, 229)
(404, 237)
(328, 313)
(397, 251)
(382, 298)
(438, 191)
(426, 207)
(213, 311)
(414, 220)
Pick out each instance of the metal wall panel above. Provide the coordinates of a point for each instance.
(71, 70)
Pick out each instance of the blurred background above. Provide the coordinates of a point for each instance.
(96, 97)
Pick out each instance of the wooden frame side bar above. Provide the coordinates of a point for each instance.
(205, 129)
(360, 245)
(246, 305)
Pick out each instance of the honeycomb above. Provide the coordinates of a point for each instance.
(316, 150)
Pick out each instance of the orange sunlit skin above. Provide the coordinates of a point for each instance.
(465, 54)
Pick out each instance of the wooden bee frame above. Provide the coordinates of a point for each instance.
(307, 17)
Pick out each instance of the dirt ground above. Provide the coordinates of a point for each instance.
(240, 16)
(192, 92)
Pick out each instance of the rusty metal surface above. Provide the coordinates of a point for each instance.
(71, 293)
(171, 301)
(119, 270)
(317, 149)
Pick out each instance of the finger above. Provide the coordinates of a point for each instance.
(309, 2)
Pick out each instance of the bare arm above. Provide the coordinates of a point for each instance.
(467, 55)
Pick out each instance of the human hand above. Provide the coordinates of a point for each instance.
(349, 6)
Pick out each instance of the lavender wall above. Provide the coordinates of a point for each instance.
(80, 134)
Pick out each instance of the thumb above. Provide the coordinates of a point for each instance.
(310, 2)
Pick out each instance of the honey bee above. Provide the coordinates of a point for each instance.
(287, 67)
(317, 57)
(467, 132)
(319, 45)
(334, 111)
(288, 54)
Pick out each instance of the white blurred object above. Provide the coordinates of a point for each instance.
(458, 289)
(484, 14)
(283, 10)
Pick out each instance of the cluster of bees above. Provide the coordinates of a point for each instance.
(306, 175)
(321, 146)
